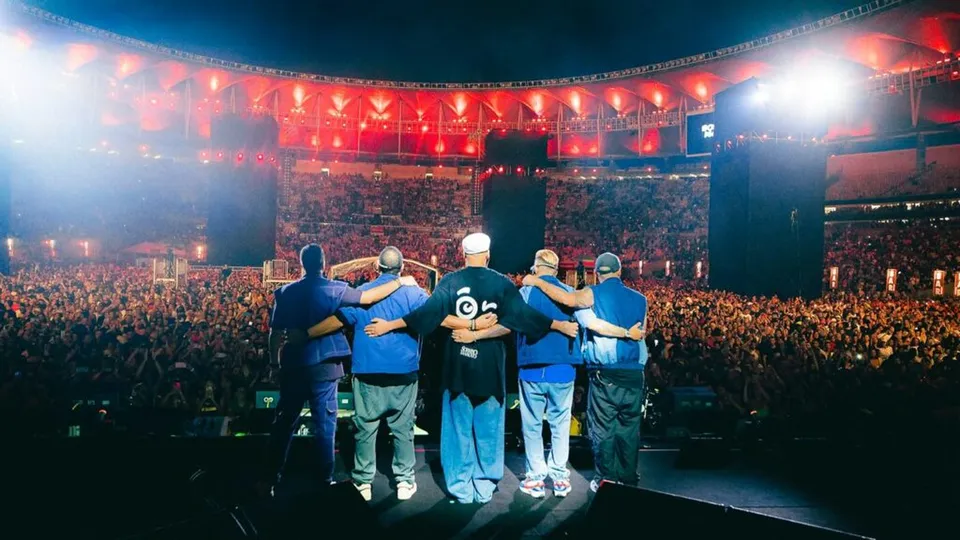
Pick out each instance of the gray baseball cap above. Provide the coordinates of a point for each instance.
(607, 263)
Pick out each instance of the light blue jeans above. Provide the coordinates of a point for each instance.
(556, 401)
(471, 446)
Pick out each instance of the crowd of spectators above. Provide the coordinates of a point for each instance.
(354, 216)
(107, 333)
(642, 219)
(74, 332)
(863, 251)
(933, 179)
(845, 357)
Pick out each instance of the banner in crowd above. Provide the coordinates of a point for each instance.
(939, 276)
(668, 268)
(892, 279)
(834, 277)
(699, 269)
(956, 284)
(640, 264)
(376, 230)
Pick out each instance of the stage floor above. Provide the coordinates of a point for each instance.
(512, 514)
(876, 492)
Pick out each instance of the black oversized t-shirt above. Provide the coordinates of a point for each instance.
(477, 369)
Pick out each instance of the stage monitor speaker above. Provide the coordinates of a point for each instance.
(222, 525)
(619, 510)
(340, 508)
(512, 148)
(766, 220)
(622, 511)
(514, 216)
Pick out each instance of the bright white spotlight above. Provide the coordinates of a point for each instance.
(762, 95)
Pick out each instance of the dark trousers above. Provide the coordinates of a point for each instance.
(299, 385)
(395, 404)
(614, 415)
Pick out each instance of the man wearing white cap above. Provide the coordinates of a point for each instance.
(472, 432)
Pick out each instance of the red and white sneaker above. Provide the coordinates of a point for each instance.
(534, 488)
(561, 488)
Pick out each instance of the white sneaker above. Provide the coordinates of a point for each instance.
(405, 490)
(366, 491)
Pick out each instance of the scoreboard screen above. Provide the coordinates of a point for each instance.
(700, 134)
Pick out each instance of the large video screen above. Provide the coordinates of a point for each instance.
(700, 134)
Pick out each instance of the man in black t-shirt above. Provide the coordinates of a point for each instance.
(472, 432)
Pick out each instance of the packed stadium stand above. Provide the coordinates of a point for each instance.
(364, 164)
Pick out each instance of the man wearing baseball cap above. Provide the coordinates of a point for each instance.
(615, 355)
(473, 382)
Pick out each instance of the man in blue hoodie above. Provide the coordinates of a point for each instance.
(547, 372)
(615, 355)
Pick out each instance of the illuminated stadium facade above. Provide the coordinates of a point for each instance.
(902, 56)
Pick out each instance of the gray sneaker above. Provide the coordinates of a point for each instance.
(406, 490)
(366, 491)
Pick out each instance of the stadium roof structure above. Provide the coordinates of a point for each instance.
(905, 53)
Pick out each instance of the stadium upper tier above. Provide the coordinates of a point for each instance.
(888, 50)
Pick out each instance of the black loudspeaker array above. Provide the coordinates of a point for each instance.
(514, 216)
(513, 148)
(242, 212)
(767, 191)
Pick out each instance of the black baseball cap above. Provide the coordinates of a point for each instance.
(607, 263)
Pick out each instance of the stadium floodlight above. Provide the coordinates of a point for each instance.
(762, 95)
(810, 90)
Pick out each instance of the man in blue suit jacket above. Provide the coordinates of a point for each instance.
(309, 371)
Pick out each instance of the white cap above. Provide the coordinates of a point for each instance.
(476, 243)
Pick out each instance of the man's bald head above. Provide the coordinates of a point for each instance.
(390, 261)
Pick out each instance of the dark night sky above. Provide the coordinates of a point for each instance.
(453, 40)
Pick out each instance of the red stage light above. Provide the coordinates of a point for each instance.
(272, 159)
(519, 169)
(424, 128)
(219, 155)
(500, 169)
(240, 156)
(259, 157)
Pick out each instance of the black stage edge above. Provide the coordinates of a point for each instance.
(121, 488)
